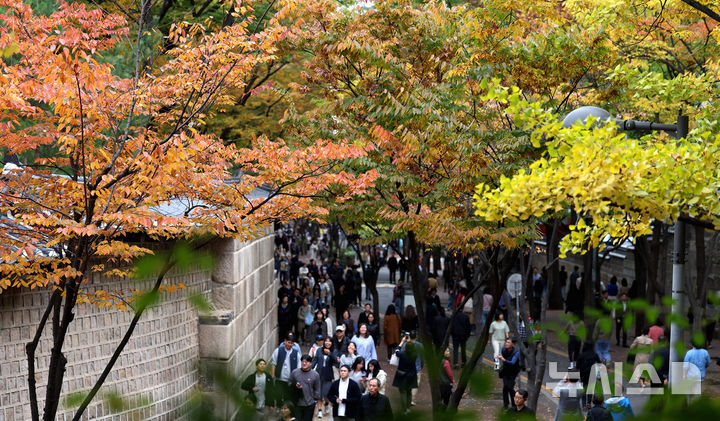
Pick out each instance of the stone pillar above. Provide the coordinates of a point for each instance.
(243, 325)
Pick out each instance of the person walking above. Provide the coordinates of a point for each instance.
(487, 303)
(287, 411)
(287, 358)
(365, 344)
(410, 320)
(307, 384)
(598, 411)
(640, 350)
(340, 340)
(304, 321)
(446, 378)
(439, 327)
(374, 406)
(363, 317)
(460, 334)
(399, 296)
(373, 329)
(602, 342)
(318, 326)
(406, 375)
(329, 321)
(319, 339)
(358, 373)
(574, 343)
(586, 360)
(260, 385)
(391, 330)
(569, 392)
(375, 371)
(696, 361)
(350, 356)
(509, 372)
(419, 363)
(520, 411)
(345, 396)
(323, 364)
(392, 265)
(620, 310)
(348, 322)
(402, 268)
(285, 318)
(563, 277)
(499, 333)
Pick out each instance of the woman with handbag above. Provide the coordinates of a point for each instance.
(406, 376)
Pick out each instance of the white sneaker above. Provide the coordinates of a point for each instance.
(327, 408)
(319, 414)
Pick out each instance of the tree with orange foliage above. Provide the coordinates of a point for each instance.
(102, 156)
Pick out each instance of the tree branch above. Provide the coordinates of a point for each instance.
(701, 7)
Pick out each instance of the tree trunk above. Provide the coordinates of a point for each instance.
(56, 371)
(437, 258)
(552, 266)
(495, 274)
(587, 283)
(640, 283)
(416, 277)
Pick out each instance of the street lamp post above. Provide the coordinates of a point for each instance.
(679, 130)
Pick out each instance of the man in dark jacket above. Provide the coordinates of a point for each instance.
(460, 334)
(344, 394)
(510, 369)
(374, 406)
(340, 340)
(392, 265)
(260, 385)
(285, 318)
(585, 362)
(598, 412)
(519, 411)
(439, 327)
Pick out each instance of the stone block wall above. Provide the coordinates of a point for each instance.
(244, 325)
(162, 362)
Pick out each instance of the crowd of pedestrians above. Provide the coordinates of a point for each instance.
(341, 372)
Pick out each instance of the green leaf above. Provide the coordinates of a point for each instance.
(200, 303)
(74, 399)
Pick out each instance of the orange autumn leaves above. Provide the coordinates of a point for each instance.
(106, 158)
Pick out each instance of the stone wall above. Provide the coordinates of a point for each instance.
(161, 363)
(621, 263)
(243, 327)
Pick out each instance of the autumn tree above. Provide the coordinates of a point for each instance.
(396, 79)
(101, 156)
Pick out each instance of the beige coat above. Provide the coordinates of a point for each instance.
(644, 344)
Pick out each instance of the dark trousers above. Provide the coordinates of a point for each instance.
(573, 348)
(445, 392)
(508, 391)
(619, 327)
(459, 346)
(391, 349)
(305, 413)
(709, 331)
(282, 391)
